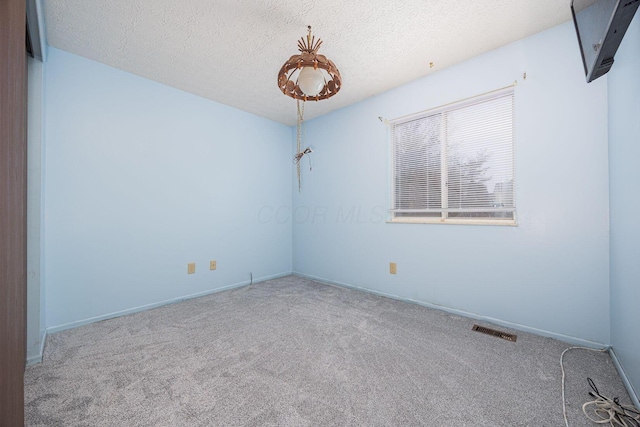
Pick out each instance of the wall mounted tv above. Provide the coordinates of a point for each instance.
(600, 25)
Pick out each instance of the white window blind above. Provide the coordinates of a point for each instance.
(456, 162)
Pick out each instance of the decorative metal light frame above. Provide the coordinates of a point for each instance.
(309, 57)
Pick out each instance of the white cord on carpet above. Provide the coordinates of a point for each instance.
(564, 403)
(608, 411)
(611, 411)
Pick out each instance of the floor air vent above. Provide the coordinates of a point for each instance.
(493, 332)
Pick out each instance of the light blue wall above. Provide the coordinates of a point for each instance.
(624, 155)
(550, 273)
(35, 279)
(142, 179)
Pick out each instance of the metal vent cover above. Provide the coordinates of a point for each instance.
(495, 333)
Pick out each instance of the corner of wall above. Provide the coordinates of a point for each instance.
(35, 358)
(43, 29)
(623, 132)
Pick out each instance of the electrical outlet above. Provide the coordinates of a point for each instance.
(393, 268)
(213, 265)
(191, 268)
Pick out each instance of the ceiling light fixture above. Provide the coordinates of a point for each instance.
(304, 77)
(309, 76)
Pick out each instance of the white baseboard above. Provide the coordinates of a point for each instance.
(75, 324)
(625, 379)
(565, 338)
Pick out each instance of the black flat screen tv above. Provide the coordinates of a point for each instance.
(600, 26)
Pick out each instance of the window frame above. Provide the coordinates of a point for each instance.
(444, 218)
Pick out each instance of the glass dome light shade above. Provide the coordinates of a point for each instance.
(311, 81)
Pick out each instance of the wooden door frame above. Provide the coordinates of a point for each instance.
(13, 212)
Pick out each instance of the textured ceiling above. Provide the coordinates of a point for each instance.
(230, 51)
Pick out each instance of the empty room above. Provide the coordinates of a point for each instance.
(303, 213)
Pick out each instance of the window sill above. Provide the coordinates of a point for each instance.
(511, 223)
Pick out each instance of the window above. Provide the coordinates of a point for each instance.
(455, 163)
